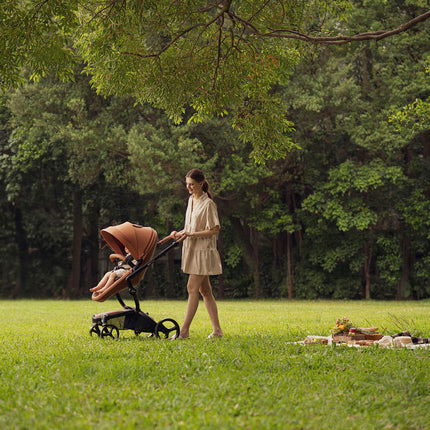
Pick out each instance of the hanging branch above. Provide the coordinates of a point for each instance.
(331, 40)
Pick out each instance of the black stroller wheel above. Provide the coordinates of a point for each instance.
(95, 329)
(109, 331)
(166, 327)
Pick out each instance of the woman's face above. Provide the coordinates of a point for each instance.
(193, 186)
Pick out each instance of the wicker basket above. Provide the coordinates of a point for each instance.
(345, 337)
(375, 336)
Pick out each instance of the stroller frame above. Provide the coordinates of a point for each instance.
(108, 324)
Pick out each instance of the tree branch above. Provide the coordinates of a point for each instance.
(37, 9)
(109, 7)
(332, 40)
(259, 10)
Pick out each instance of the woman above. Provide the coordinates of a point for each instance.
(200, 257)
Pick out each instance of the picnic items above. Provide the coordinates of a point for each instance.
(345, 333)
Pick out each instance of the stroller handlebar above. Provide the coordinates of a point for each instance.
(171, 236)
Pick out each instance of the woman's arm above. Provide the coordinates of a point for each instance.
(204, 233)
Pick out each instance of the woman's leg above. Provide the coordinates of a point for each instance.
(193, 286)
(209, 299)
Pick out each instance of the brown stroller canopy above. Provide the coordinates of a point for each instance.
(137, 239)
(140, 242)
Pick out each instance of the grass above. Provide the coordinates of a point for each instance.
(54, 375)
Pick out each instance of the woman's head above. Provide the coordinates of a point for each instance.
(196, 181)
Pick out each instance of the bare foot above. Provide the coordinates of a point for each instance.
(215, 334)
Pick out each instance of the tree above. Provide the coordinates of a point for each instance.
(356, 198)
(343, 100)
(224, 57)
(32, 179)
(62, 166)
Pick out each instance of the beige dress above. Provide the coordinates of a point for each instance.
(199, 254)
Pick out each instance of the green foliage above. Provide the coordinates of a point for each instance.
(413, 117)
(275, 219)
(36, 35)
(264, 124)
(233, 257)
(226, 59)
(350, 196)
(145, 48)
(347, 206)
(416, 210)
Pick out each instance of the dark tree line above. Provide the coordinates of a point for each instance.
(344, 216)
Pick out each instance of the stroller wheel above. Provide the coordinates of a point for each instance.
(109, 331)
(95, 329)
(165, 327)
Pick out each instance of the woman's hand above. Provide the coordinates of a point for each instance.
(177, 234)
(174, 235)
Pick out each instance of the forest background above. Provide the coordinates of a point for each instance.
(343, 215)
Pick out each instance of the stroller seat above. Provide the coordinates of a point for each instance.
(141, 243)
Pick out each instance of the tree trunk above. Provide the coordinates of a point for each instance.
(22, 257)
(404, 279)
(241, 233)
(425, 138)
(75, 275)
(241, 237)
(171, 267)
(92, 274)
(367, 264)
(147, 285)
(289, 269)
(254, 242)
(366, 68)
(220, 277)
(4, 280)
(275, 259)
(298, 233)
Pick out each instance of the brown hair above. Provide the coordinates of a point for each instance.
(199, 177)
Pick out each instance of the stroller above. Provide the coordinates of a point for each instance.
(141, 243)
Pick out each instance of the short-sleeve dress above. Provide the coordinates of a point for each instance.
(199, 254)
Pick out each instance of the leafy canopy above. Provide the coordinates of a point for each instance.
(220, 58)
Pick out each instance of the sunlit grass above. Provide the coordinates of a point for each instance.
(54, 375)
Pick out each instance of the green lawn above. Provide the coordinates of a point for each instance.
(54, 375)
